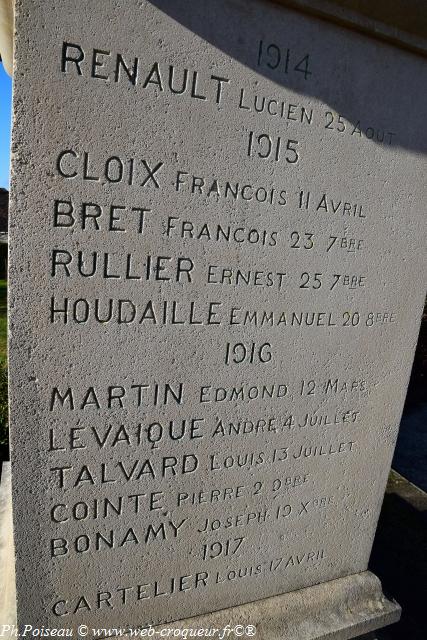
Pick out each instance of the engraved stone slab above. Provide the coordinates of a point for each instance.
(217, 247)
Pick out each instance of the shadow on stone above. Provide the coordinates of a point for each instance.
(271, 60)
(399, 557)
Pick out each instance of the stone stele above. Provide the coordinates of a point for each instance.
(217, 244)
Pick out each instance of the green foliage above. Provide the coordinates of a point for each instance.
(3, 405)
(3, 320)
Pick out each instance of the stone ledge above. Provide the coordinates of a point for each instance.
(337, 610)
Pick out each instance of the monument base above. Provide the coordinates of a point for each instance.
(337, 610)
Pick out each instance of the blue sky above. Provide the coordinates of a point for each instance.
(5, 111)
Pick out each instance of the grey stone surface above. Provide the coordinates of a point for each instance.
(285, 379)
(339, 609)
(7, 564)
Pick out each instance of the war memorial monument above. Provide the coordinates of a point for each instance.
(216, 280)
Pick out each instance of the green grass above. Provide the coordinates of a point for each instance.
(3, 321)
(4, 436)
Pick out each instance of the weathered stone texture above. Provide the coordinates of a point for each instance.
(217, 222)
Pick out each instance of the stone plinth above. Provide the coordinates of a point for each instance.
(338, 610)
(217, 274)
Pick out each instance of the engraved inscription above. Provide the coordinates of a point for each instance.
(220, 208)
